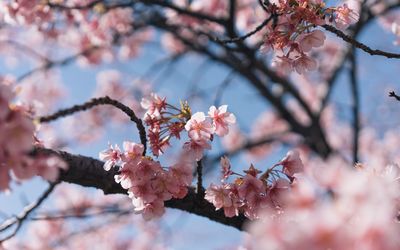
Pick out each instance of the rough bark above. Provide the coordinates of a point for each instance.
(88, 172)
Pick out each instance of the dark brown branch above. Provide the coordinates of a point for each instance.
(355, 43)
(263, 5)
(200, 189)
(75, 7)
(314, 134)
(249, 145)
(19, 220)
(96, 102)
(356, 103)
(230, 26)
(89, 172)
(179, 10)
(51, 64)
(393, 94)
(244, 37)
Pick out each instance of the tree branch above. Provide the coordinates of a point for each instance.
(19, 220)
(356, 103)
(50, 64)
(355, 43)
(89, 172)
(393, 94)
(244, 37)
(183, 11)
(96, 102)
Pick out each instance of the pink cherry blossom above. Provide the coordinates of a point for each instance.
(19, 128)
(145, 191)
(282, 63)
(111, 156)
(221, 119)
(292, 163)
(126, 175)
(304, 63)
(199, 127)
(223, 197)
(132, 152)
(225, 167)
(120, 19)
(148, 210)
(49, 167)
(251, 188)
(341, 216)
(195, 149)
(278, 191)
(345, 16)
(182, 171)
(311, 40)
(154, 106)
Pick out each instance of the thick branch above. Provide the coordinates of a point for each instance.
(89, 172)
(313, 134)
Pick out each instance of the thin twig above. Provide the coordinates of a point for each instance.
(263, 5)
(63, 216)
(393, 94)
(244, 37)
(355, 43)
(222, 87)
(19, 220)
(50, 64)
(74, 7)
(23, 47)
(250, 145)
(184, 11)
(96, 102)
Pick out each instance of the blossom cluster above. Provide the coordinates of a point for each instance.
(293, 34)
(335, 207)
(17, 140)
(92, 30)
(166, 121)
(251, 193)
(148, 183)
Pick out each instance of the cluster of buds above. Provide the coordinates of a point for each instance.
(293, 34)
(250, 193)
(166, 121)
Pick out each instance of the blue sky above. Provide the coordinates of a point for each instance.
(376, 74)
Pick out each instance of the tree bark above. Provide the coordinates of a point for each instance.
(88, 172)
